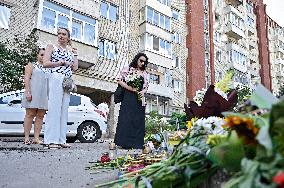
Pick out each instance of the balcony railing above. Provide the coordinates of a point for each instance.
(160, 90)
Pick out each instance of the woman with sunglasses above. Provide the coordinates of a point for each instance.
(130, 130)
(35, 97)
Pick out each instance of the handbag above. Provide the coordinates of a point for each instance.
(119, 94)
(69, 85)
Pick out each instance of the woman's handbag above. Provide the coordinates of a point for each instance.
(69, 85)
(119, 94)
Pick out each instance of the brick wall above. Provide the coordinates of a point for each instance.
(263, 45)
(195, 68)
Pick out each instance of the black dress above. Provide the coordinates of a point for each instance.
(130, 130)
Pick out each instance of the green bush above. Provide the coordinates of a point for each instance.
(14, 55)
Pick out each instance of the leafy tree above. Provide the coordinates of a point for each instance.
(244, 92)
(14, 55)
(180, 118)
(281, 91)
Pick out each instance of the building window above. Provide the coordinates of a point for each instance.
(237, 57)
(107, 49)
(82, 28)
(177, 85)
(165, 2)
(249, 8)
(109, 11)
(235, 20)
(175, 14)
(250, 21)
(157, 18)
(219, 56)
(176, 62)
(154, 79)
(77, 27)
(5, 14)
(48, 19)
(176, 38)
(157, 44)
(217, 36)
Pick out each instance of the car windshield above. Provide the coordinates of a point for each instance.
(92, 102)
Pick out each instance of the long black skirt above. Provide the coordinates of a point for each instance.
(130, 130)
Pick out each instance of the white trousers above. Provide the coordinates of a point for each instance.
(57, 115)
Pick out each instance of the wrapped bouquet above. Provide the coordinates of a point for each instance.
(133, 79)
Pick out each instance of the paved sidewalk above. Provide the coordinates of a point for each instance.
(32, 166)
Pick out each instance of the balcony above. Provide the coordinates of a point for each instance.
(253, 56)
(233, 31)
(252, 42)
(234, 2)
(87, 53)
(155, 30)
(233, 46)
(158, 59)
(279, 49)
(279, 62)
(166, 10)
(279, 37)
(160, 90)
(251, 30)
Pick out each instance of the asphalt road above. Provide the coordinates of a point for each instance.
(32, 166)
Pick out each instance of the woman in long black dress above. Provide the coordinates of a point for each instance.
(130, 130)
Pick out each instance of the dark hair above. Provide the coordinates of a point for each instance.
(134, 62)
(68, 34)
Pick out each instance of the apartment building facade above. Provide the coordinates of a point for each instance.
(276, 53)
(108, 34)
(225, 35)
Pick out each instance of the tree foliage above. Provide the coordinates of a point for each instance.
(281, 91)
(178, 118)
(14, 55)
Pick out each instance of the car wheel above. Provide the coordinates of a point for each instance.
(88, 132)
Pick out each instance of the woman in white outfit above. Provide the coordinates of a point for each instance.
(61, 59)
(35, 97)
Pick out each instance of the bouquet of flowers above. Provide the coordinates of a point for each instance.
(133, 79)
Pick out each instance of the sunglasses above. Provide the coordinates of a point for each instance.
(142, 61)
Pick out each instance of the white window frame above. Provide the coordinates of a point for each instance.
(165, 2)
(176, 38)
(109, 48)
(151, 18)
(177, 62)
(177, 86)
(70, 19)
(5, 13)
(176, 12)
(108, 11)
(149, 45)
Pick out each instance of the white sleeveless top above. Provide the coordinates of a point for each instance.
(62, 54)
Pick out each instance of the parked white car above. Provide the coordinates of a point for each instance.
(86, 121)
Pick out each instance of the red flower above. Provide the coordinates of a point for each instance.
(279, 179)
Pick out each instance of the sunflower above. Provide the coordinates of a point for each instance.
(244, 127)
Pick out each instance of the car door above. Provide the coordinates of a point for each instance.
(11, 115)
(75, 113)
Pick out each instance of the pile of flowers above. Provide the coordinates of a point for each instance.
(248, 147)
